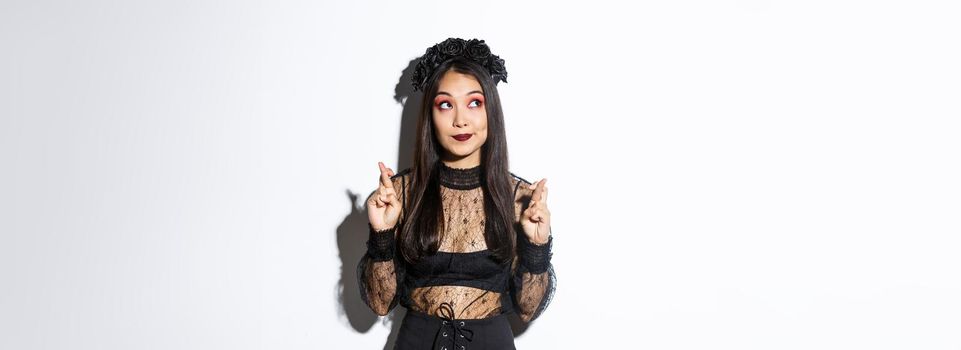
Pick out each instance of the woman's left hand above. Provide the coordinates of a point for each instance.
(536, 219)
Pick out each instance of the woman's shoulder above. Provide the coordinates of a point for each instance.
(516, 179)
(521, 186)
(401, 179)
(522, 194)
(405, 173)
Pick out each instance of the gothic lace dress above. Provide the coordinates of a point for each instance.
(460, 280)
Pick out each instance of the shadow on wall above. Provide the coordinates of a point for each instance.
(352, 231)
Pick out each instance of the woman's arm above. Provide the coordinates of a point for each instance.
(533, 280)
(379, 271)
(376, 271)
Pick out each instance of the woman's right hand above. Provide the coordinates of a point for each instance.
(383, 207)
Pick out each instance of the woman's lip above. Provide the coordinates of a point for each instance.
(462, 137)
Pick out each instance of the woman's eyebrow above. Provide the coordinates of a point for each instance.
(472, 92)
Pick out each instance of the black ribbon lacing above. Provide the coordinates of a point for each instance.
(457, 328)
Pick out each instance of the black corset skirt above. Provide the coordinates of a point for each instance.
(420, 331)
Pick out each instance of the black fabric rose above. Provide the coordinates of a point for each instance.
(478, 50)
(497, 69)
(420, 75)
(433, 56)
(453, 47)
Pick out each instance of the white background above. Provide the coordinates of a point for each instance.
(724, 174)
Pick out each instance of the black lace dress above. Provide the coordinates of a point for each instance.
(458, 298)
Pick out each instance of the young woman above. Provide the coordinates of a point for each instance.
(457, 238)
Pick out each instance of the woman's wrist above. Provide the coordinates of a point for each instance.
(380, 229)
(381, 243)
(540, 240)
(536, 258)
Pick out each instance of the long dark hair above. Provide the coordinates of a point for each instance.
(421, 230)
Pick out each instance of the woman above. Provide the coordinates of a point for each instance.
(458, 239)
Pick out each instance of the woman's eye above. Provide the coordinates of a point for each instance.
(447, 105)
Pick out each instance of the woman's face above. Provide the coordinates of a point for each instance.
(460, 119)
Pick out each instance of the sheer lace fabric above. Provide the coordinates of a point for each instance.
(386, 278)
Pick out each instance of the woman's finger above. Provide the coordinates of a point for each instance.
(388, 191)
(384, 175)
(391, 196)
(539, 190)
(543, 214)
(533, 213)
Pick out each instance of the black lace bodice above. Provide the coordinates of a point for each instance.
(462, 273)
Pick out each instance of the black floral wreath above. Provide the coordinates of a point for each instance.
(473, 49)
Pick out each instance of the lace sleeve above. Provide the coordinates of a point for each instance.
(532, 284)
(377, 274)
(380, 271)
(533, 280)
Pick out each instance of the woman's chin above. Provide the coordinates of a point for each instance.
(458, 154)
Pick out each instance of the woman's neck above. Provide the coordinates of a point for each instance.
(460, 165)
(465, 162)
(460, 178)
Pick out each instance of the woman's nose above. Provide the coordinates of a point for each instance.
(460, 118)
